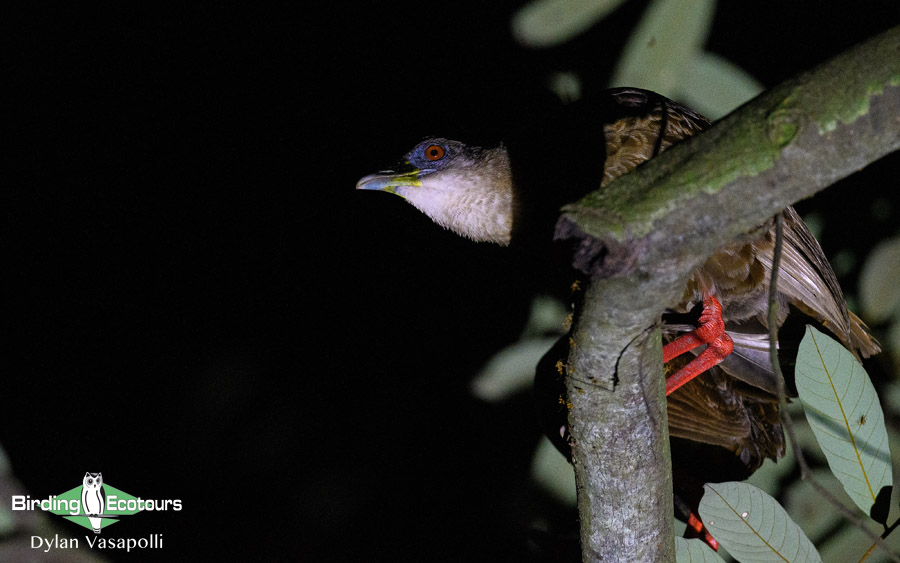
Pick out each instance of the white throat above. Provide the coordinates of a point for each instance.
(473, 199)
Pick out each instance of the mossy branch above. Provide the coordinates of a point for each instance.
(643, 236)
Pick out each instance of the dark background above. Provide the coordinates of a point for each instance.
(201, 307)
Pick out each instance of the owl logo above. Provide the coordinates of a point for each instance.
(92, 499)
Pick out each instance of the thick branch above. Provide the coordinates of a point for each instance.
(621, 439)
(649, 230)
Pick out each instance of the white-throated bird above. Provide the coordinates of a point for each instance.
(722, 403)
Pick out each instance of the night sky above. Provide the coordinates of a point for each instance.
(203, 308)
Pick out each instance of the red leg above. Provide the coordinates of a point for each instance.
(697, 529)
(712, 332)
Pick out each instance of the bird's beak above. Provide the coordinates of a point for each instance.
(389, 181)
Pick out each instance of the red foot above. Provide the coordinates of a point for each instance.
(697, 529)
(712, 332)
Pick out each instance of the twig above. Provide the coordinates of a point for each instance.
(805, 472)
(887, 532)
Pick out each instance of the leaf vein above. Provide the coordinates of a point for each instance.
(841, 407)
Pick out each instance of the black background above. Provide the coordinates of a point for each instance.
(202, 307)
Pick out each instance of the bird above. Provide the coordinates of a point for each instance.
(721, 390)
(92, 499)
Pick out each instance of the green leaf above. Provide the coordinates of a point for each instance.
(752, 526)
(511, 370)
(553, 473)
(664, 42)
(843, 410)
(694, 551)
(545, 23)
(879, 293)
(715, 86)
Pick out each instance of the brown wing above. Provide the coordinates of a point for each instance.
(740, 274)
(808, 282)
(713, 409)
(739, 411)
(722, 411)
(651, 123)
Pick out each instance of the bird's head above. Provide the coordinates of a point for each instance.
(462, 188)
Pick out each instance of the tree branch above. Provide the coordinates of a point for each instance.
(644, 235)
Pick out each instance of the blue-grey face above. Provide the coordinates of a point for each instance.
(430, 156)
(465, 189)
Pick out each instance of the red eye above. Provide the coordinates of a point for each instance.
(434, 152)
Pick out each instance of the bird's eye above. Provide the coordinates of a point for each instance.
(434, 152)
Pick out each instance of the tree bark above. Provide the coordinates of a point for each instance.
(643, 236)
